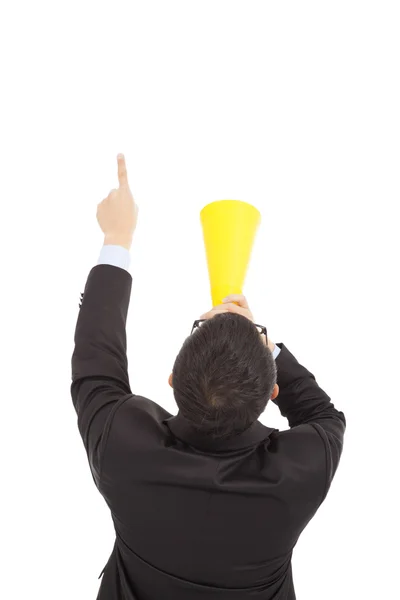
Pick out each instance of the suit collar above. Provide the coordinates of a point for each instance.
(182, 429)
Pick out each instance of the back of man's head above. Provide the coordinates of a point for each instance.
(223, 376)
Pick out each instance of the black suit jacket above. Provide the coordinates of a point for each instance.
(195, 518)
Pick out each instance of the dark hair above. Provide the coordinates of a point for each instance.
(223, 376)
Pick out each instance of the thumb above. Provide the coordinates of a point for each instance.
(239, 299)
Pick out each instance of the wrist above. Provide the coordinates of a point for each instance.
(118, 240)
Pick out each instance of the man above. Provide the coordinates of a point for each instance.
(208, 503)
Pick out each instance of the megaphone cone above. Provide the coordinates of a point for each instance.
(229, 230)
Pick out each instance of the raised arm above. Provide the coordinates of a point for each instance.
(99, 361)
(303, 402)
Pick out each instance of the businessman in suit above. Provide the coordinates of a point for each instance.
(208, 503)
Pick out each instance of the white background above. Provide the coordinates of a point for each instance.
(291, 106)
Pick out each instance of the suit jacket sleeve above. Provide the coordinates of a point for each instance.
(308, 407)
(100, 379)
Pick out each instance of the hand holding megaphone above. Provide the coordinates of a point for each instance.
(235, 303)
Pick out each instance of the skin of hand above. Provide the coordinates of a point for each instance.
(118, 213)
(236, 303)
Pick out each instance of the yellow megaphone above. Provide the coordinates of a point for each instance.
(229, 230)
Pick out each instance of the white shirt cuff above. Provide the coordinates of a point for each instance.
(117, 256)
(276, 351)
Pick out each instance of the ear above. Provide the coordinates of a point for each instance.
(275, 392)
(170, 380)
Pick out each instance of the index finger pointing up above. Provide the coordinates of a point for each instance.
(122, 174)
